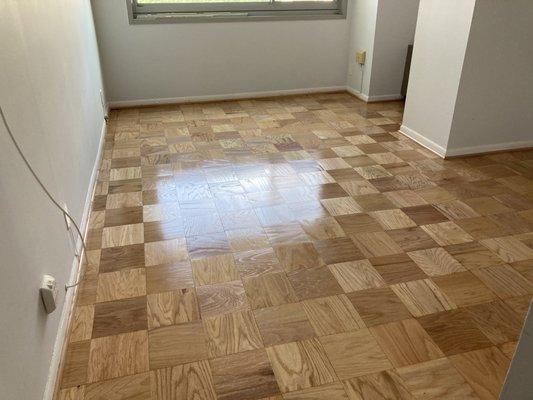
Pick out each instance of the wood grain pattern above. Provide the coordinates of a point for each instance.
(217, 269)
(464, 289)
(169, 277)
(253, 263)
(268, 290)
(221, 298)
(313, 282)
(296, 256)
(82, 323)
(300, 365)
(447, 233)
(121, 316)
(504, 281)
(334, 391)
(436, 261)
(383, 385)
(357, 275)
(355, 354)
(334, 314)
(186, 381)
(392, 219)
(509, 249)
(378, 306)
(129, 387)
(232, 333)
(121, 285)
(123, 235)
(171, 308)
(376, 244)
(422, 297)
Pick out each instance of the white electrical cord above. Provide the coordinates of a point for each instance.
(52, 199)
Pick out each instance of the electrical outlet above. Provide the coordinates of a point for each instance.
(68, 222)
(48, 292)
(360, 57)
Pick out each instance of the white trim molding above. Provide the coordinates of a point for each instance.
(422, 140)
(221, 97)
(373, 99)
(489, 148)
(68, 305)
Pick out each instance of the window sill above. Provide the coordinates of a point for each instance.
(174, 18)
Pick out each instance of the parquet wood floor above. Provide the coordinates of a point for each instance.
(297, 248)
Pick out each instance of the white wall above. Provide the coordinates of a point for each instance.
(395, 31)
(49, 90)
(440, 44)
(205, 59)
(495, 98)
(363, 16)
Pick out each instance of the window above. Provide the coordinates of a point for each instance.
(148, 11)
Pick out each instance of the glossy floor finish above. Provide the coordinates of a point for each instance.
(298, 248)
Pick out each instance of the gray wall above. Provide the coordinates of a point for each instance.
(202, 59)
(49, 90)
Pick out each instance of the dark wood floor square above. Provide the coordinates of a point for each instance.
(424, 215)
(334, 251)
(314, 282)
(120, 316)
(378, 306)
(124, 257)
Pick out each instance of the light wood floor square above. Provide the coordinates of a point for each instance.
(397, 268)
(473, 255)
(378, 306)
(392, 219)
(322, 228)
(314, 282)
(436, 261)
(355, 354)
(127, 387)
(300, 365)
(247, 239)
(271, 289)
(338, 250)
(116, 356)
(122, 235)
(283, 324)
(193, 380)
(504, 280)
(253, 263)
(168, 277)
(341, 206)
(376, 244)
(372, 172)
(447, 233)
(218, 269)
(121, 285)
(221, 298)
(296, 256)
(509, 249)
(171, 308)
(333, 391)
(334, 314)
(383, 385)
(405, 198)
(464, 288)
(177, 344)
(232, 333)
(497, 321)
(82, 323)
(406, 343)
(422, 297)
(357, 275)
(412, 239)
(244, 376)
(163, 252)
(436, 379)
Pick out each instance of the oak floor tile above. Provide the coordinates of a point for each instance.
(383, 385)
(128, 387)
(286, 233)
(422, 297)
(300, 365)
(354, 354)
(333, 314)
(397, 268)
(393, 219)
(123, 200)
(425, 214)
(73, 393)
(123, 235)
(464, 289)
(121, 316)
(509, 249)
(446, 233)
(374, 201)
(473, 255)
(519, 305)
(436, 379)
(357, 275)
(253, 263)
(76, 364)
(436, 261)
(454, 332)
(87, 290)
(333, 391)
(244, 376)
(406, 343)
(341, 206)
(412, 239)
(358, 223)
(122, 216)
(456, 209)
(121, 285)
(158, 231)
(232, 333)
(221, 298)
(171, 308)
(119, 355)
(247, 239)
(177, 344)
(163, 252)
(480, 227)
(378, 306)
(82, 323)
(376, 244)
(167, 277)
(497, 321)
(313, 282)
(269, 289)
(218, 269)
(186, 381)
(124, 257)
(504, 281)
(296, 256)
(283, 324)
(322, 228)
(334, 251)
(484, 370)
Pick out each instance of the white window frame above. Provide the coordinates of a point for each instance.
(233, 11)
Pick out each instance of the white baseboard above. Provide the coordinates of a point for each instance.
(422, 140)
(373, 99)
(220, 97)
(68, 304)
(488, 148)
